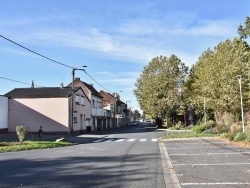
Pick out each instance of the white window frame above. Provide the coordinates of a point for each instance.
(75, 116)
(82, 100)
(77, 99)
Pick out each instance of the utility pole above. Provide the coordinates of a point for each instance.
(241, 104)
(72, 98)
(205, 118)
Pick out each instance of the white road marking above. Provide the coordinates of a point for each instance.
(98, 141)
(131, 140)
(235, 153)
(143, 140)
(109, 140)
(223, 164)
(154, 140)
(225, 183)
(119, 140)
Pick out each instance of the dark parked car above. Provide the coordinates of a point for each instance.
(133, 123)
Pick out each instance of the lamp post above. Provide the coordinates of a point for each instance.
(72, 97)
(241, 104)
(114, 109)
(205, 118)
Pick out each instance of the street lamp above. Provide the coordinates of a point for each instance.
(72, 97)
(241, 103)
(115, 94)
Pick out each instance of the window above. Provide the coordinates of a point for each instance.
(82, 100)
(77, 99)
(75, 116)
(93, 103)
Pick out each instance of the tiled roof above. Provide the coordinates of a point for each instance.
(93, 90)
(43, 92)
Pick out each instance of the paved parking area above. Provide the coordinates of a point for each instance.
(208, 162)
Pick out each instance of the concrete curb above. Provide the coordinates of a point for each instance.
(170, 177)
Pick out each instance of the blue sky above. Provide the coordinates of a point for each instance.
(114, 38)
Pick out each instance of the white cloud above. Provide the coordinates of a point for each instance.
(220, 28)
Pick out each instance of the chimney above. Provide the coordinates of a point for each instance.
(77, 79)
(32, 85)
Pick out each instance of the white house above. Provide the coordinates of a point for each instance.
(50, 108)
(3, 114)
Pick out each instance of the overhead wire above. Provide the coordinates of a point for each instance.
(47, 59)
(18, 81)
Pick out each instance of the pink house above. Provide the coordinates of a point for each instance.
(50, 108)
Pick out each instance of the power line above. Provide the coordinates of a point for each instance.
(18, 81)
(35, 52)
(47, 59)
(97, 82)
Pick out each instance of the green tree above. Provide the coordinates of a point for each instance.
(159, 86)
(244, 31)
(214, 77)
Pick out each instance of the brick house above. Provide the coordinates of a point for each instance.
(101, 118)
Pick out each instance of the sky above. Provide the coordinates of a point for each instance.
(115, 39)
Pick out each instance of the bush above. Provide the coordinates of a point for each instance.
(230, 136)
(239, 137)
(247, 139)
(235, 128)
(21, 132)
(221, 127)
(198, 129)
(210, 124)
(178, 126)
(209, 131)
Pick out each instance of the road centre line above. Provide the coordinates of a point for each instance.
(213, 164)
(143, 140)
(197, 154)
(223, 183)
(154, 139)
(131, 140)
(120, 140)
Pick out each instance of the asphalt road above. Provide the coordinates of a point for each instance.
(209, 163)
(121, 158)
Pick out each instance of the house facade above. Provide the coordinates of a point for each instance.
(50, 108)
(117, 107)
(3, 114)
(100, 117)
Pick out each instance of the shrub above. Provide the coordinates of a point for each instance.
(230, 136)
(21, 132)
(198, 129)
(220, 127)
(239, 137)
(235, 128)
(210, 124)
(247, 139)
(209, 131)
(178, 126)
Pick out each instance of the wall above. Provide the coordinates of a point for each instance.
(51, 113)
(84, 111)
(3, 114)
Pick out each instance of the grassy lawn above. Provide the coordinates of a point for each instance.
(30, 145)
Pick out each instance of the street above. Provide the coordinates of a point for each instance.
(122, 158)
(133, 157)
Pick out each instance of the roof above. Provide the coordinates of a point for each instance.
(43, 92)
(92, 89)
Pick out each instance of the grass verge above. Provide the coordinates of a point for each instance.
(187, 135)
(30, 145)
